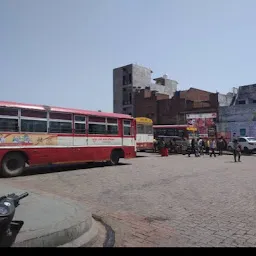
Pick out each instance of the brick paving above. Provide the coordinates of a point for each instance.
(173, 201)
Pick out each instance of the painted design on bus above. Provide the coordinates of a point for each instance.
(27, 139)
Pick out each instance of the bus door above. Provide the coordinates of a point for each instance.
(128, 133)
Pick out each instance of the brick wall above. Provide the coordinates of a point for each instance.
(173, 111)
(146, 103)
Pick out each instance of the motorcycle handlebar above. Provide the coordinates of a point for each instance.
(22, 195)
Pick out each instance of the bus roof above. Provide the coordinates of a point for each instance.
(64, 110)
(171, 126)
(144, 120)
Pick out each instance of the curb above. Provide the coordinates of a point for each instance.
(86, 239)
(44, 238)
(110, 236)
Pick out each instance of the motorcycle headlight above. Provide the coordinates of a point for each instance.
(3, 210)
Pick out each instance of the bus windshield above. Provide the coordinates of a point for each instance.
(144, 129)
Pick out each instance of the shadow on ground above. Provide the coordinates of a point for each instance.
(64, 168)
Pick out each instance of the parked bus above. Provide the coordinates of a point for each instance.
(40, 135)
(144, 136)
(182, 131)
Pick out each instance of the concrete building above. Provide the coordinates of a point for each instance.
(240, 116)
(227, 99)
(127, 80)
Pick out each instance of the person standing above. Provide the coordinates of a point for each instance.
(207, 148)
(236, 150)
(203, 146)
(192, 148)
(212, 147)
(200, 146)
(221, 145)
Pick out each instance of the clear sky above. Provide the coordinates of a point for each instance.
(62, 52)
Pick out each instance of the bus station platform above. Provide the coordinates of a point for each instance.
(51, 221)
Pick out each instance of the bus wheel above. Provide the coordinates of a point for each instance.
(13, 165)
(114, 157)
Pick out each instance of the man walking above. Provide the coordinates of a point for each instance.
(221, 145)
(236, 150)
(212, 147)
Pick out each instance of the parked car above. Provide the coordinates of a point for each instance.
(248, 144)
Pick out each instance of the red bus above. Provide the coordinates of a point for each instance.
(186, 131)
(40, 135)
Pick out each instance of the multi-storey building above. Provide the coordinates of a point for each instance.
(127, 80)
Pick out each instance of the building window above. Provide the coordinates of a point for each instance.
(254, 101)
(9, 125)
(33, 125)
(130, 78)
(242, 132)
(130, 98)
(60, 127)
(241, 102)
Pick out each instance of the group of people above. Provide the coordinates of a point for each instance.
(207, 146)
(200, 147)
(210, 146)
(170, 146)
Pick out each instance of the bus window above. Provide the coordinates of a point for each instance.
(9, 120)
(127, 128)
(140, 128)
(9, 125)
(60, 127)
(33, 125)
(80, 124)
(148, 129)
(97, 128)
(112, 126)
(97, 125)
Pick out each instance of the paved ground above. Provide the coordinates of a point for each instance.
(173, 201)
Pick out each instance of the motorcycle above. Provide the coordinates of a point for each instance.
(9, 228)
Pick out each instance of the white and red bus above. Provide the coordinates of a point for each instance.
(144, 136)
(40, 135)
(182, 131)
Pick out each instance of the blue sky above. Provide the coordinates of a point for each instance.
(62, 52)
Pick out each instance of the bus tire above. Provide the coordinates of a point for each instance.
(114, 157)
(13, 164)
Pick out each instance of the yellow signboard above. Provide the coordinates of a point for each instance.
(144, 120)
(192, 129)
